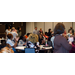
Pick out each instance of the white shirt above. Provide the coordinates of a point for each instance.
(14, 35)
(8, 31)
(10, 42)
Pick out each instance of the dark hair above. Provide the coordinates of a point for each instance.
(49, 30)
(18, 28)
(9, 26)
(21, 38)
(59, 28)
(46, 33)
(28, 34)
(10, 36)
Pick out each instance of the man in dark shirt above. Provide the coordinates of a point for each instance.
(72, 30)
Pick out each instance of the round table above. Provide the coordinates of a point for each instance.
(41, 48)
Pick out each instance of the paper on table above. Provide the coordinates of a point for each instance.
(47, 47)
(20, 48)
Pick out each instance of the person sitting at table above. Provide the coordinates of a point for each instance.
(22, 41)
(32, 42)
(45, 36)
(41, 40)
(40, 31)
(27, 36)
(6, 50)
(11, 43)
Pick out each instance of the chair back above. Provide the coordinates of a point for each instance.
(29, 50)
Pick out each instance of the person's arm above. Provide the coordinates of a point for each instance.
(66, 44)
(15, 44)
(20, 43)
(73, 47)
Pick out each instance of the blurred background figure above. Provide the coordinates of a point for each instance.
(73, 46)
(22, 41)
(70, 33)
(32, 42)
(45, 36)
(36, 31)
(11, 43)
(19, 32)
(40, 31)
(49, 34)
(8, 31)
(27, 36)
(14, 33)
(71, 30)
(41, 40)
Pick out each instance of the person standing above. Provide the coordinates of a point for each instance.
(71, 30)
(61, 44)
(41, 31)
(14, 33)
(36, 31)
(8, 30)
(19, 32)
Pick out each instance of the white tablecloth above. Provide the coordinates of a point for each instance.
(20, 48)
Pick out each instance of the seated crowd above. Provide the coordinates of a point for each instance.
(58, 39)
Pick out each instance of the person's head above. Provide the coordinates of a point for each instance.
(8, 27)
(59, 28)
(45, 33)
(28, 34)
(13, 29)
(70, 31)
(70, 27)
(40, 28)
(10, 36)
(19, 28)
(35, 28)
(49, 30)
(22, 38)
